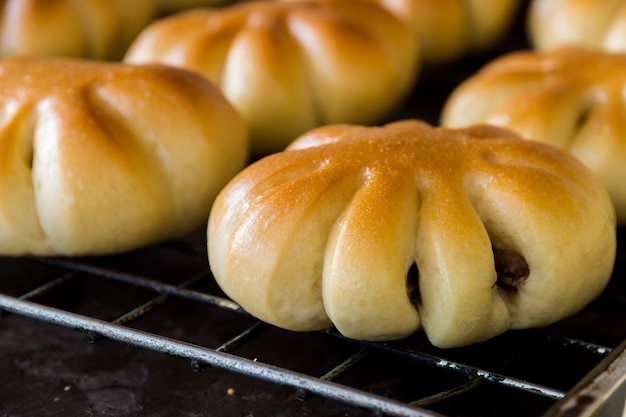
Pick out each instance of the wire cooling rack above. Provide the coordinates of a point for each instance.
(574, 367)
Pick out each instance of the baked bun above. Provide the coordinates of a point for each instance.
(291, 66)
(101, 158)
(451, 29)
(588, 23)
(504, 233)
(96, 29)
(571, 98)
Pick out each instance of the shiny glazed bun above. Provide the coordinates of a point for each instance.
(102, 158)
(291, 66)
(96, 29)
(589, 23)
(570, 97)
(382, 230)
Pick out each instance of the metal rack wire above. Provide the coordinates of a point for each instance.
(598, 382)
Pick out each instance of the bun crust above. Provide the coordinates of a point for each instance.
(326, 232)
(102, 158)
(588, 23)
(570, 97)
(291, 66)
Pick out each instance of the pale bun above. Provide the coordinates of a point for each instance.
(569, 97)
(589, 23)
(326, 232)
(102, 158)
(291, 66)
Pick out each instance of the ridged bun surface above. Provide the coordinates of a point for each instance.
(570, 97)
(101, 158)
(291, 66)
(381, 231)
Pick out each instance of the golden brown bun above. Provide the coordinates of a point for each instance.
(289, 67)
(102, 158)
(571, 98)
(590, 23)
(97, 29)
(326, 232)
(451, 29)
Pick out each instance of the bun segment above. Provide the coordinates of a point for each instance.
(326, 232)
(102, 158)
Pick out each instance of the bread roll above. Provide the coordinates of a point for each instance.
(570, 97)
(101, 158)
(589, 23)
(504, 233)
(96, 29)
(291, 66)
